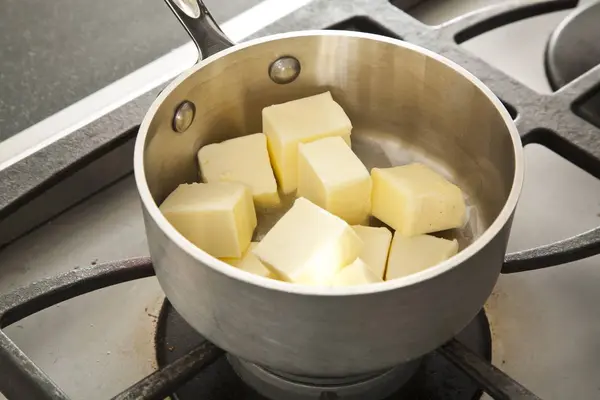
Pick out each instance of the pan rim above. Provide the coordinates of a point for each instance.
(219, 266)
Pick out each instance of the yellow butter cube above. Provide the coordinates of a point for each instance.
(376, 247)
(413, 199)
(409, 255)
(245, 160)
(333, 177)
(308, 245)
(300, 121)
(357, 273)
(250, 263)
(217, 217)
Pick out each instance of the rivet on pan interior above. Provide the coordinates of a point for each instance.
(184, 116)
(284, 70)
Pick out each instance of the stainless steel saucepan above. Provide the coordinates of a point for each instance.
(406, 103)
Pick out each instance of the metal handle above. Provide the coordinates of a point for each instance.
(572, 249)
(200, 25)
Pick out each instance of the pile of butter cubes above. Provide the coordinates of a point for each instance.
(323, 239)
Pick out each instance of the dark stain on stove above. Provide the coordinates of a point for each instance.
(154, 317)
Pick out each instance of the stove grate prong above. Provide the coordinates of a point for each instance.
(495, 382)
(163, 382)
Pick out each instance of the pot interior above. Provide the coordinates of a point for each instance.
(405, 105)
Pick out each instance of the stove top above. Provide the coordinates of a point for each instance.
(530, 313)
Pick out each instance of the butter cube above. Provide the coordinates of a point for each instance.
(300, 121)
(308, 245)
(333, 177)
(357, 273)
(417, 253)
(376, 247)
(217, 217)
(249, 263)
(245, 160)
(413, 199)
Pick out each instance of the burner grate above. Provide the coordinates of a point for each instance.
(21, 378)
(436, 377)
(546, 119)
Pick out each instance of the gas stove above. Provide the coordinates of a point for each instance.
(63, 338)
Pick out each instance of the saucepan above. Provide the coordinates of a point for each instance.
(406, 104)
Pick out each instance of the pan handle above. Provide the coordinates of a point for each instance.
(200, 25)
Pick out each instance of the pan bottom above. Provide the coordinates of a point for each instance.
(435, 377)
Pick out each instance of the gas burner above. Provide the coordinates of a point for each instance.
(274, 385)
(229, 378)
(574, 49)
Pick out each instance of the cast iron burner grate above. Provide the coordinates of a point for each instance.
(548, 120)
(436, 378)
(21, 379)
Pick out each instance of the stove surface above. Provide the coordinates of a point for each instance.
(545, 329)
